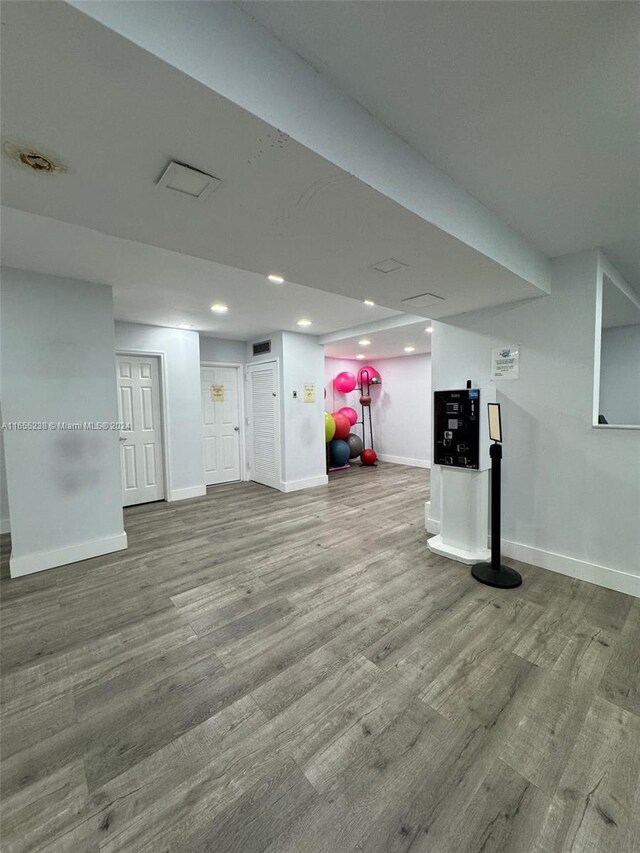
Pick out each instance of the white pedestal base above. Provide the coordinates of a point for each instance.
(465, 507)
(462, 556)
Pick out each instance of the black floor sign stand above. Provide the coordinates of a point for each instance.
(493, 573)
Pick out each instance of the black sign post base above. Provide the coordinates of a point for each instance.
(504, 576)
(493, 573)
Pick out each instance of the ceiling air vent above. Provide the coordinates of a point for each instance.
(422, 300)
(189, 182)
(390, 265)
(262, 348)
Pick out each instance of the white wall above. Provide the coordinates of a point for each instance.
(58, 365)
(401, 406)
(571, 493)
(301, 360)
(5, 524)
(402, 411)
(217, 349)
(620, 375)
(304, 450)
(180, 352)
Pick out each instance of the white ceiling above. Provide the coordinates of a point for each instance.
(533, 107)
(386, 343)
(116, 115)
(164, 288)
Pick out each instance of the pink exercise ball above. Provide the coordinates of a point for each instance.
(350, 414)
(373, 377)
(343, 427)
(345, 382)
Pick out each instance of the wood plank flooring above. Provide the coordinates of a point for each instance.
(299, 674)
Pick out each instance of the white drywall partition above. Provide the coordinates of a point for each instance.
(58, 369)
(301, 362)
(303, 422)
(571, 492)
(402, 410)
(5, 524)
(219, 350)
(179, 353)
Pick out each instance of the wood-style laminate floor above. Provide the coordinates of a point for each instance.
(298, 674)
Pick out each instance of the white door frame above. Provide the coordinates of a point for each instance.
(239, 368)
(164, 413)
(257, 363)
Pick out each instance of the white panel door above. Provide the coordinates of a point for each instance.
(264, 424)
(141, 445)
(220, 424)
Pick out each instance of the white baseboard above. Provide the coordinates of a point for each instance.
(185, 494)
(38, 561)
(310, 483)
(563, 565)
(590, 572)
(404, 460)
(5, 525)
(432, 525)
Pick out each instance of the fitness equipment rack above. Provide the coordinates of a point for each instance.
(362, 423)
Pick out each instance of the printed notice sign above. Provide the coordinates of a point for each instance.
(309, 393)
(217, 393)
(505, 362)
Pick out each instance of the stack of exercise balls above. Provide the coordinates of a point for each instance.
(343, 444)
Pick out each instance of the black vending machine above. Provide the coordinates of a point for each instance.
(456, 428)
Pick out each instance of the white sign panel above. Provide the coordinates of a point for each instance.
(505, 362)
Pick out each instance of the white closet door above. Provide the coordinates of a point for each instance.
(220, 424)
(264, 424)
(141, 445)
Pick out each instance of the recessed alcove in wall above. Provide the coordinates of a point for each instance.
(616, 385)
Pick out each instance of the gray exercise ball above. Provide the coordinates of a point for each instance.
(355, 445)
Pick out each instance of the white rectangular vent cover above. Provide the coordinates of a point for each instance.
(189, 182)
(423, 300)
(390, 265)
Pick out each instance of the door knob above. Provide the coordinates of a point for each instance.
(123, 439)
(236, 428)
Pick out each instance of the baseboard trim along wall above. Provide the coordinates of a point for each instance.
(310, 483)
(563, 565)
(38, 561)
(185, 494)
(404, 460)
(590, 572)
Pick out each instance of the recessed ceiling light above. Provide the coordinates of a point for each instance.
(188, 181)
(304, 322)
(219, 308)
(429, 329)
(185, 326)
(409, 349)
(364, 342)
(360, 355)
(275, 279)
(369, 302)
